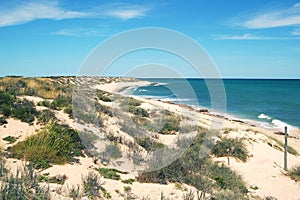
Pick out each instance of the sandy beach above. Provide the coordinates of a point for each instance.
(263, 171)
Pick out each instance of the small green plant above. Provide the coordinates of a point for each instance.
(294, 173)
(128, 181)
(127, 189)
(46, 116)
(10, 139)
(59, 179)
(109, 173)
(254, 187)
(92, 185)
(3, 121)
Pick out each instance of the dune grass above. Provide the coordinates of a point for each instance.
(54, 144)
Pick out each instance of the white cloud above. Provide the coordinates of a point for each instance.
(276, 18)
(79, 32)
(249, 36)
(36, 10)
(246, 36)
(127, 12)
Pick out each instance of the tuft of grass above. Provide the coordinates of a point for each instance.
(280, 144)
(59, 179)
(21, 185)
(228, 130)
(10, 139)
(128, 181)
(54, 144)
(109, 173)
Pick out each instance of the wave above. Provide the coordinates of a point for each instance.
(143, 90)
(159, 84)
(263, 116)
(281, 125)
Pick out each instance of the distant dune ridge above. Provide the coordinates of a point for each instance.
(86, 139)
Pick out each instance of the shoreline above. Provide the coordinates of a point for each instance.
(293, 132)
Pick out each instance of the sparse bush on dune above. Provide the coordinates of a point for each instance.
(231, 147)
(47, 88)
(149, 144)
(109, 173)
(46, 116)
(294, 173)
(54, 144)
(113, 151)
(21, 185)
(199, 172)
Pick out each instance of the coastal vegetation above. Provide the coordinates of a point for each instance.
(231, 147)
(202, 173)
(294, 173)
(54, 144)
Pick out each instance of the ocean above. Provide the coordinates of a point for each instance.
(270, 103)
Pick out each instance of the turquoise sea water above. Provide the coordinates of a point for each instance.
(271, 103)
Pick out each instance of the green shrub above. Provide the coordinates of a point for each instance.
(55, 144)
(104, 96)
(128, 181)
(149, 144)
(109, 173)
(24, 110)
(10, 139)
(92, 185)
(294, 173)
(3, 121)
(171, 125)
(113, 151)
(59, 179)
(23, 185)
(46, 116)
(231, 147)
(198, 171)
(61, 102)
(44, 103)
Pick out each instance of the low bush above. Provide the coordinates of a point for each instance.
(128, 181)
(46, 116)
(61, 102)
(294, 173)
(10, 139)
(54, 144)
(113, 151)
(3, 121)
(22, 185)
(149, 144)
(109, 173)
(231, 147)
(198, 171)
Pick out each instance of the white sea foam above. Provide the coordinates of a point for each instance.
(142, 90)
(159, 84)
(263, 116)
(280, 125)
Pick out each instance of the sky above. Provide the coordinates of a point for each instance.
(244, 38)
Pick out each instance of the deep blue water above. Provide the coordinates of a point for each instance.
(270, 102)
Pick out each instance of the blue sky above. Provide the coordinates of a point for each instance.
(245, 38)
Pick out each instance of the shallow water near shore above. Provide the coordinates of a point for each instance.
(270, 103)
